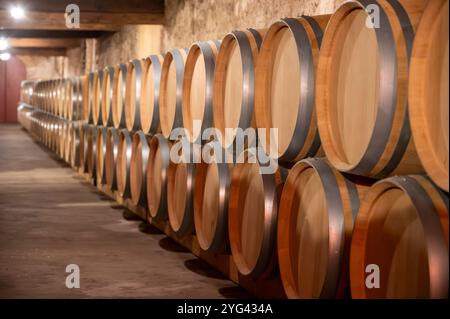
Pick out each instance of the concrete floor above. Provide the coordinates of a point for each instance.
(50, 217)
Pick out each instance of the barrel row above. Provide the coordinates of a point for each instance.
(372, 99)
(309, 219)
(321, 229)
(61, 97)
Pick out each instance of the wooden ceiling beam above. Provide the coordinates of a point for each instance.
(88, 20)
(15, 33)
(100, 6)
(43, 43)
(38, 51)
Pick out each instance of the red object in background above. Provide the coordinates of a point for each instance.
(12, 72)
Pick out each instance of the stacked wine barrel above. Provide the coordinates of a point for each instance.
(347, 196)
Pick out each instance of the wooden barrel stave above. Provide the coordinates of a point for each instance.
(315, 222)
(408, 217)
(198, 80)
(138, 169)
(123, 164)
(428, 92)
(234, 82)
(158, 164)
(171, 90)
(149, 108)
(111, 151)
(285, 80)
(367, 133)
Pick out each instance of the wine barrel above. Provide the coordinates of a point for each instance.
(71, 96)
(49, 126)
(318, 206)
(133, 94)
(78, 100)
(54, 129)
(53, 101)
(64, 97)
(252, 216)
(285, 80)
(75, 145)
(361, 89)
(138, 169)
(108, 95)
(44, 130)
(60, 97)
(100, 154)
(149, 107)
(97, 98)
(84, 115)
(428, 92)
(112, 145)
(91, 153)
(180, 188)
(54, 98)
(123, 164)
(234, 83)
(119, 94)
(171, 91)
(211, 189)
(83, 147)
(157, 167)
(401, 230)
(198, 79)
(67, 140)
(89, 117)
(61, 136)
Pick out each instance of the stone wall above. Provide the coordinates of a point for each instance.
(43, 67)
(187, 21)
(134, 41)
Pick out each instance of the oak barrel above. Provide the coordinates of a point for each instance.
(119, 94)
(83, 147)
(108, 95)
(171, 91)
(234, 83)
(315, 221)
(123, 164)
(97, 98)
(111, 152)
(75, 145)
(138, 169)
(88, 114)
(157, 167)
(91, 152)
(198, 80)
(211, 191)
(285, 80)
(133, 94)
(252, 216)
(149, 107)
(102, 132)
(362, 85)
(428, 92)
(401, 238)
(180, 188)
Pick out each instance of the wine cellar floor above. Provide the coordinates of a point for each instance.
(51, 217)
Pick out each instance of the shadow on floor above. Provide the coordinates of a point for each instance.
(235, 292)
(203, 268)
(130, 216)
(147, 228)
(169, 244)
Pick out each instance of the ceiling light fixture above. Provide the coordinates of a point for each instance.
(5, 56)
(3, 44)
(17, 12)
